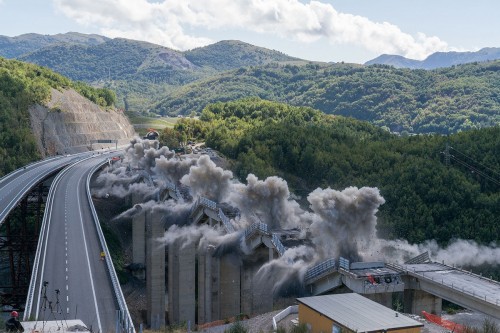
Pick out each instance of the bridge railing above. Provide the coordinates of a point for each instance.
(254, 228)
(259, 227)
(320, 269)
(278, 245)
(225, 222)
(208, 203)
(125, 320)
(493, 299)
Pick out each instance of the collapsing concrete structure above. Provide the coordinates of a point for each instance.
(211, 263)
(204, 284)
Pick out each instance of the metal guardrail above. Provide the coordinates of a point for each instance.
(208, 203)
(278, 245)
(320, 269)
(259, 227)
(421, 275)
(225, 222)
(252, 229)
(344, 263)
(125, 320)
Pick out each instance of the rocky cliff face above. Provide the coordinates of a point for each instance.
(69, 123)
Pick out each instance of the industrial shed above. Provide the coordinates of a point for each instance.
(352, 313)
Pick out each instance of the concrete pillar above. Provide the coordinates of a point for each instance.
(139, 243)
(155, 271)
(206, 265)
(256, 296)
(416, 301)
(181, 282)
(381, 298)
(229, 298)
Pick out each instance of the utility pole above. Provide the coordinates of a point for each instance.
(447, 154)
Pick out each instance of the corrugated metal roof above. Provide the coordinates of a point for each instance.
(358, 313)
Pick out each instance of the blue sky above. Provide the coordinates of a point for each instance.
(325, 30)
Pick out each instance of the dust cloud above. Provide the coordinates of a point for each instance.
(337, 223)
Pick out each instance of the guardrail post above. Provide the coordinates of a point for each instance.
(117, 330)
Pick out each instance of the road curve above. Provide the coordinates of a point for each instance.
(72, 281)
(15, 185)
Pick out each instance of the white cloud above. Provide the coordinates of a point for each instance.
(165, 23)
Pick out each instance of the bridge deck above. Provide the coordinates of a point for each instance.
(460, 280)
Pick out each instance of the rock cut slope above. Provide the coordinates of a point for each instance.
(70, 122)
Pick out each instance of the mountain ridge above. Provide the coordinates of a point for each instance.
(438, 59)
(13, 47)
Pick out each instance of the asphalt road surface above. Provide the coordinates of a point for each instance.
(73, 281)
(15, 185)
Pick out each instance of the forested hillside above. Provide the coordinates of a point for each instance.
(417, 101)
(425, 197)
(233, 54)
(22, 85)
(142, 73)
(153, 78)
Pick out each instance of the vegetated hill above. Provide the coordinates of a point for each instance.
(232, 54)
(116, 59)
(438, 59)
(142, 73)
(13, 47)
(425, 198)
(442, 101)
(23, 86)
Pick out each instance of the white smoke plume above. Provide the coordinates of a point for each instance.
(208, 180)
(267, 201)
(339, 223)
(286, 273)
(459, 252)
(203, 235)
(172, 169)
(172, 213)
(344, 220)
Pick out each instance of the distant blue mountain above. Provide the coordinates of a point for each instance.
(438, 59)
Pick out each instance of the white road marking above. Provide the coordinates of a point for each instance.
(88, 260)
(67, 310)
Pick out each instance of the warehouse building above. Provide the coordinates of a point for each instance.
(352, 313)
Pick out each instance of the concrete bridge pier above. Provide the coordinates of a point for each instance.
(206, 281)
(181, 282)
(415, 301)
(155, 270)
(218, 287)
(139, 240)
(229, 301)
(381, 298)
(256, 295)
